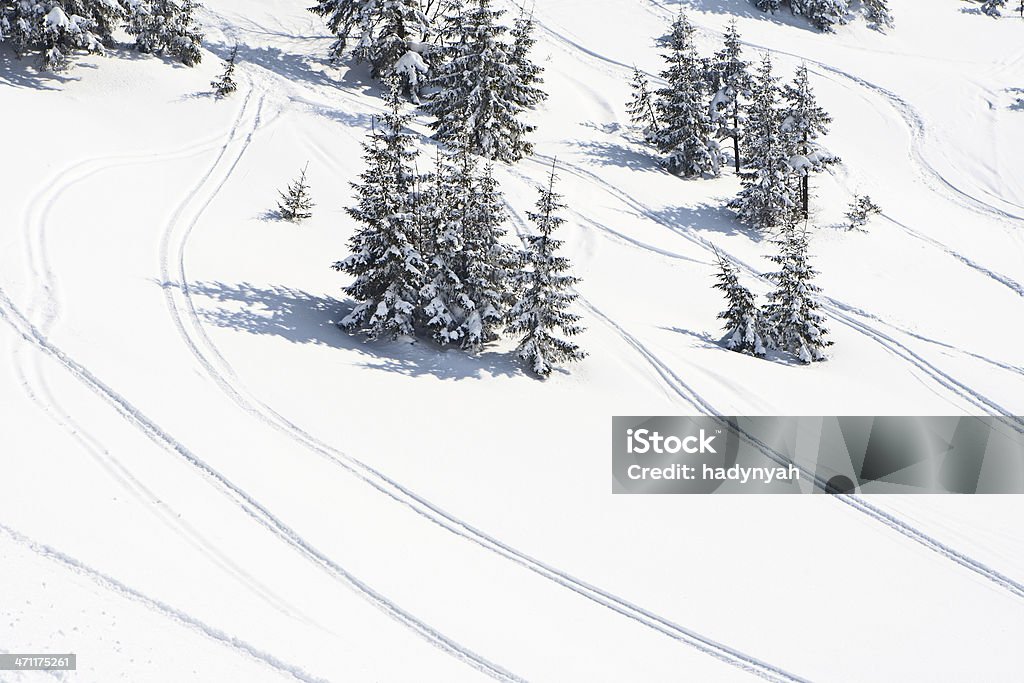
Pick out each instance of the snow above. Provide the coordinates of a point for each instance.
(198, 461)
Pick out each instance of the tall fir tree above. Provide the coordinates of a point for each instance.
(385, 260)
(745, 327)
(387, 34)
(767, 198)
(641, 105)
(804, 122)
(793, 310)
(483, 92)
(685, 134)
(731, 83)
(545, 293)
(525, 89)
(166, 27)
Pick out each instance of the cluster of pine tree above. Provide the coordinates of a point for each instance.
(993, 8)
(791, 321)
(774, 131)
(827, 14)
(58, 29)
(429, 255)
(476, 69)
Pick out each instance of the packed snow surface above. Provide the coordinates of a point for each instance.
(205, 480)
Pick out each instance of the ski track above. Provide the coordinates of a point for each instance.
(34, 224)
(193, 333)
(111, 584)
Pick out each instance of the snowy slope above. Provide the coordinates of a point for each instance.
(198, 461)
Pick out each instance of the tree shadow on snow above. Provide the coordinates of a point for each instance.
(708, 341)
(704, 217)
(22, 72)
(742, 9)
(303, 318)
(613, 154)
(1019, 93)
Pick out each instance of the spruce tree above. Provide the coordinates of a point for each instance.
(57, 29)
(385, 257)
(166, 27)
(641, 106)
(545, 293)
(387, 34)
(525, 89)
(793, 311)
(732, 81)
(745, 327)
(860, 212)
(685, 135)
(804, 122)
(878, 14)
(296, 204)
(823, 14)
(993, 8)
(768, 5)
(225, 84)
(483, 92)
(767, 199)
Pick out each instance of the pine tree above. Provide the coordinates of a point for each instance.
(641, 106)
(768, 5)
(385, 258)
(296, 205)
(387, 34)
(732, 81)
(993, 8)
(745, 328)
(860, 212)
(467, 293)
(166, 27)
(878, 14)
(524, 90)
(823, 14)
(686, 131)
(793, 311)
(803, 122)
(483, 92)
(225, 84)
(767, 199)
(545, 293)
(57, 29)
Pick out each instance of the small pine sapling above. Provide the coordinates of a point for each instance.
(225, 84)
(862, 208)
(296, 205)
(745, 327)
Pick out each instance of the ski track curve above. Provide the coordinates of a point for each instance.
(37, 388)
(25, 329)
(192, 331)
(111, 584)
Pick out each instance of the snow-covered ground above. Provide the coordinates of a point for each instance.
(211, 482)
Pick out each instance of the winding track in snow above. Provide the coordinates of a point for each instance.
(25, 329)
(183, 618)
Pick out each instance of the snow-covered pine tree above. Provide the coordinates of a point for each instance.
(482, 92)
(767, 199)
(860, 212)
(732, 81)
(641, 106)
(825, 15)
(993, 8)
(385, 258)
(768, 5)
(166, 27)
(57, 29)
(793, 311)
(745, 328)
(388, 34)
(878, 14)
(685, 134)
(296, 205)
(525, 90)
(445, 206)
(225, 84)
(804, 122)
(545, 293)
